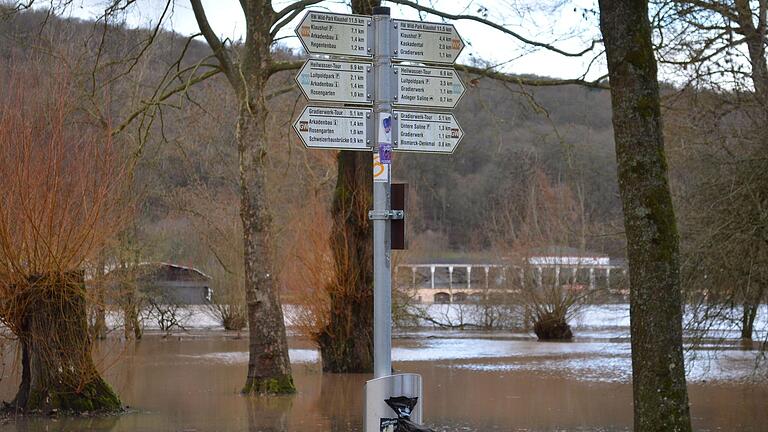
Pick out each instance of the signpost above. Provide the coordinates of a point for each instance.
(425, 86)
(343, 124)
(335, 128)
(336, 81)
(426, 42)
(329, 33)
(426, 132)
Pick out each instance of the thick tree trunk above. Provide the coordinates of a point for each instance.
(57, 369)
(269, 369)
(346, 342)
(658, 373)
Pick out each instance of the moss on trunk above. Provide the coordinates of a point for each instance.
(282, 384)
(58, 371)
(269, 368)
(658, 372)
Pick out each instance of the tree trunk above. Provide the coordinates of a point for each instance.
(346, 342)
(658, 373)
(552, 326)
(99, 329)
(750, 306)
(130, 305)
(755, 41)
(748, 315)
(269, 369)
(99, 322)
(57, 369)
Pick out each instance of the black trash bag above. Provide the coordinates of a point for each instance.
(403, 407)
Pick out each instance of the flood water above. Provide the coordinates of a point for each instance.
(472, 382)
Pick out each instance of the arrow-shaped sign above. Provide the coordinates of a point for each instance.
(335, 128)
(426, 42)
(336, 81)
(428, 86)
(329, 33)
(426, 132)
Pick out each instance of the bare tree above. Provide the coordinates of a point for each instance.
(545, 219)
(217, 229)
(719, 146)
(62, 199)
(247, 70)
(720, 48)
(718, 43)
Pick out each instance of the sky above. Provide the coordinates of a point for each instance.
(569, 28)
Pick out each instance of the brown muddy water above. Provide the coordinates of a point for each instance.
(472, 382)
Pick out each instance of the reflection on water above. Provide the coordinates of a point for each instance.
(192, 383)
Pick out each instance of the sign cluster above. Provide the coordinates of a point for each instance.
(345, 86)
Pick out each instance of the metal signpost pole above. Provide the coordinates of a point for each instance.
(382, 275)
(342, 85)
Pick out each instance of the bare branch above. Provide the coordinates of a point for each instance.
(281, 66)
(498, 27)
(532, 82)
(181, 88)
(713, 6)
(485, 72)
(291, 11)
(281, 91)
(219, 50)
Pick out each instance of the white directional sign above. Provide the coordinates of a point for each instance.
(335, 128)
(336, 81)
(426, 132)
(426, 42)
(428, 86)
(328, 33)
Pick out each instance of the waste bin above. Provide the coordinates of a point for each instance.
(379, 389)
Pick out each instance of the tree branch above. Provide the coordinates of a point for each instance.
(219, 50)
(163, 97)
(485, 72)
(532, 82)
(292, 9)
(497, 27)
(281, 66)
(717, 7)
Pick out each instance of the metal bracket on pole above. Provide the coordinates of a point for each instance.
(386, 215)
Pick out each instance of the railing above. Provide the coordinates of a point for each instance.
(468, 280)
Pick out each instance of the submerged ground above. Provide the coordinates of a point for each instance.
(474, 381)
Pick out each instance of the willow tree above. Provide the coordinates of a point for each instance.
(247, 68)
(61, 185)
(658, 371)
(346, 339)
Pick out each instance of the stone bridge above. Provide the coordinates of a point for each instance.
(452, 281)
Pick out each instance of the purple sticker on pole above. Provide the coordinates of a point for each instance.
(385, 152)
